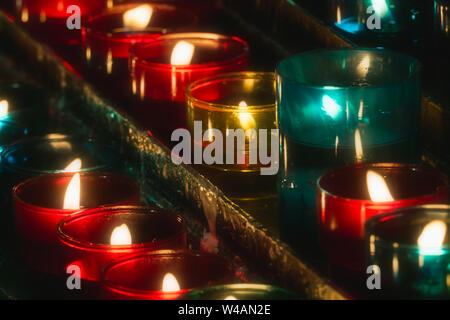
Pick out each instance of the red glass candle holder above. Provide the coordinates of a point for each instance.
(108, 33)
(142, 276)
(159, 79)
(161, 69)
(107, 38)
(38, 204)
(344, 204)
(87, 235)
(48, 18)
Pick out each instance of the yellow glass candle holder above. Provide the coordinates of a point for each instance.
(233, 101)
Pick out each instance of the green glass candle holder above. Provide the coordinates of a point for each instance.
(411, 248)
(337, 107)
(240, 291)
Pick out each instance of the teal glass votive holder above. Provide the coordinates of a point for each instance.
(337, 107)
(411, 248)
(382, 19)
(52, 153)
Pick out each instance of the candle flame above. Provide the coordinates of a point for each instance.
(378, 189)
(3, 108)
(170, 283)
(230, 298)
(72, 197)
(359, 151)
(432, 237)
(182, 53)
(245, 118)
(121, 236)
(138, 18)
(75, 165)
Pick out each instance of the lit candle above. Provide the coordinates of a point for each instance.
(95, 236)
(411, 247)
(41, 202)
(116, 29)
(234, 101)
(107, 38)
(348, 196)
(162, 68)
(163, 274)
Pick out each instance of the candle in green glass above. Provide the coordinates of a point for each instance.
(337, 107)
(411, 247)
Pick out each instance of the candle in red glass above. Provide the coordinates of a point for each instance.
(115, 30)
(48, 18)
(108, 36)
(163, 275)
(348, 196)
(162, 68)
(94, 237)
(170, 62)
(38, 207)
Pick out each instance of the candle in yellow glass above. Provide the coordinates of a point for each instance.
(236, 111)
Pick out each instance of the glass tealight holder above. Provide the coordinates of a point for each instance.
(163, 274)
(240, 291)
(108, 36)
(94, 237)
(337, 107)
(348, 196)
(39, 204)
(162, 69)
(55, 153)
(379, 20)
(410, 247)
(235, 101)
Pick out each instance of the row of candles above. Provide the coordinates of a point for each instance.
(336, 110)
(79, 218)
